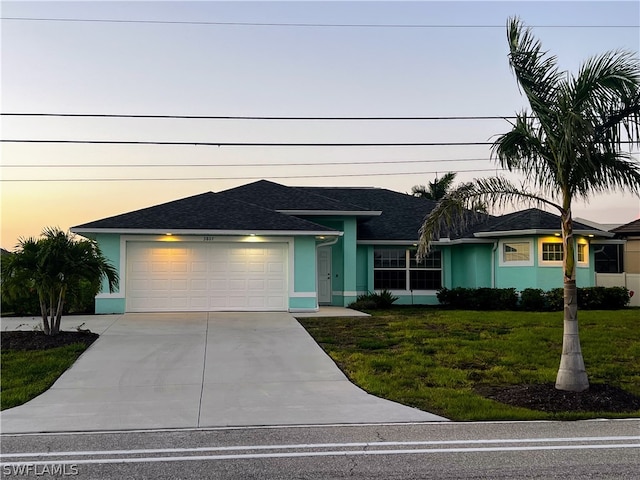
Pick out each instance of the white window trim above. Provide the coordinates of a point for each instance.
(556, 263)
(520, 263)
(408, 269)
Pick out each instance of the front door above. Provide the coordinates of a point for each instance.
(324, 275)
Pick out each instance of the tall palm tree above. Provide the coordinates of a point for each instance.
(568, 146)
(437, 189)
(52, 265)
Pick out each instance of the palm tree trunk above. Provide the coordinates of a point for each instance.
(45, 315)
(55, 320)
(572, 375)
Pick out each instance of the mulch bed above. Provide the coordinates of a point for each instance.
(34, 340)
(546, 398)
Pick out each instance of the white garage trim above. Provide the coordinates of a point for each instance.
(206, 273)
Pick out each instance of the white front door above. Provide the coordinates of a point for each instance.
(324, 275)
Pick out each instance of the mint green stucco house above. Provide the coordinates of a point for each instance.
(266, 246)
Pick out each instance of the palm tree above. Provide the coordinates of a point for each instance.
(437, 189)
(50, 267)
(569, 146)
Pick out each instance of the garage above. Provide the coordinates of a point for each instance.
(192, 276)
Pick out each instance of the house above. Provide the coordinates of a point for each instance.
(618, 260)
(266, 246)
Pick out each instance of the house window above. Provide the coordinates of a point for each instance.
(608, 258)
(516, 252)
(398, 269)
(552, 252)
(582, 255)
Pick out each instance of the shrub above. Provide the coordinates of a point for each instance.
(533, 300)
(601, 298)
(373, 300)
(479, 298)
(555, 299)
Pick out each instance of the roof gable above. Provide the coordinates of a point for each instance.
(533, 220)
(204, 212)
(402, 214)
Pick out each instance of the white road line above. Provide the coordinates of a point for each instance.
(318, 445)
(324, 454)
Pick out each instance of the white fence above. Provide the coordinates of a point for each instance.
(629, 280)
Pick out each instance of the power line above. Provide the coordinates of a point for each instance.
(295, 25)
(253, 144)
(245, 144)
(217, 165)
(40, 180)
(250, 117)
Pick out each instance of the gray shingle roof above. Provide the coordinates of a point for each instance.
(207, 211)
(530, 219)
(402, 214)
(280, 197)
(628, 228)
(254, 207)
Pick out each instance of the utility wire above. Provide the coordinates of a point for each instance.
(40, 180)
(217, 165)
(252, 117)
(245, 144)
(297, 25)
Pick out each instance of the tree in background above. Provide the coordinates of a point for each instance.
(568, 146)
(52, 266)
(437, 189)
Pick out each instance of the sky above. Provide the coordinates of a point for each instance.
(266, 59)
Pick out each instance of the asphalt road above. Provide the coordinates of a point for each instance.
(603, 449)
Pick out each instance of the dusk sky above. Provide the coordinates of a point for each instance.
(267, 59)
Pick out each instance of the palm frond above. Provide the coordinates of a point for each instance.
(456, 212)
(535, 70)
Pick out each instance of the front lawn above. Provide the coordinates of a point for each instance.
(450, 362)
(31, 362)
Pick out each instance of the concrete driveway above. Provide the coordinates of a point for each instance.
(200, 370)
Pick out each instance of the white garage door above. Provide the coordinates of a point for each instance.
(182, 277)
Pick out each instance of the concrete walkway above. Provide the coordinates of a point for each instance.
(200, 370)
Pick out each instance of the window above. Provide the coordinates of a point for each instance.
(516, 252)
(552, 252)
(398, 269)
(608, 258)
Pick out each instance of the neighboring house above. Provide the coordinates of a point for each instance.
(618, 260)
(266, 246)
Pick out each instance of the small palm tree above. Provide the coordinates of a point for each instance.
(568, 146)
(50, 267)
(437, 189)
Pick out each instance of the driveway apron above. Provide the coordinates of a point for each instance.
(191, 370)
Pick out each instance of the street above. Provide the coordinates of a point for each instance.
(503, 450)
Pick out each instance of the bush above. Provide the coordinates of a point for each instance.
(533, 300)
(589, 298)
(555, 299)
(601, 298)
(479, 298)
(373, 300)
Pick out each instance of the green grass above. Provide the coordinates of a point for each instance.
(27, 374)
(434, 359)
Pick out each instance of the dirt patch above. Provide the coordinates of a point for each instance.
(546, 398)
(31, 340)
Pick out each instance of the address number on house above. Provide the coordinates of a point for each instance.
(208, 239)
